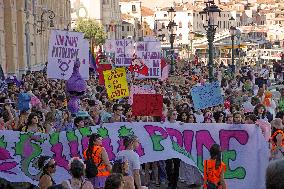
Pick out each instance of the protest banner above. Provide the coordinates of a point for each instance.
(64, 48)
(244, 150)
(207, 95)
(109, 46)
(136, 89)
(124, 51)
(150, 53)
(147, 105)
(116, 83)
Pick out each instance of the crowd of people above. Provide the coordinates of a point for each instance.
(37, 104)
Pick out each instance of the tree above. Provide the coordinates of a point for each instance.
(92, 30)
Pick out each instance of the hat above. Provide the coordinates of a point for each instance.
(82, 114)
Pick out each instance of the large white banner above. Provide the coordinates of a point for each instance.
(64, 48)
(245, 151)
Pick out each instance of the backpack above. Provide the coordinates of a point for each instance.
(91, 167)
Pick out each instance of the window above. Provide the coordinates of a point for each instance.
(122, 28)
(189, 25)
(133, 8)
(163, 25)
(180, 24)
(193, 14)
(224, 24)
(165, 15)
(127, 28)
(188, 14)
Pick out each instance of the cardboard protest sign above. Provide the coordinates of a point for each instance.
(136, 89)
(244, 150)
(64, 48)
(150, 53)
(124, 51)
(207, 95)
(147, 105)
(116, 83)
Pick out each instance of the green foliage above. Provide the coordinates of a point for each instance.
(92, 30)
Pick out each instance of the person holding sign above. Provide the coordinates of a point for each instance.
(214, 169)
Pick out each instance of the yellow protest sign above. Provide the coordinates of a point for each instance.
(116, 83)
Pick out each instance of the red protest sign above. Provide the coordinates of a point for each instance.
(147, 105)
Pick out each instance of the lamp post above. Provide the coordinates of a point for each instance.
(51, 17)
(211, 11)
(233, 34)
(171, 26)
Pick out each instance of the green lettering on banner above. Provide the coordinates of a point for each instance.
(3, 144)
(156, 140)
(54, 138)
(29, 149)
(239, 172)
(71, 136)
(85, 132)
(181, 150)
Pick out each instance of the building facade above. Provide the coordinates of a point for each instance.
(190, 20)
(106, 12)
(24, 32)
(127, 30)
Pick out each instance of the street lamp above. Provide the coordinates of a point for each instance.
(171, 26)
(211, 12)
(233, 31)
(51, 17)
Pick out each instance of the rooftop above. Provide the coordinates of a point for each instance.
(126, 16)
(145, 11)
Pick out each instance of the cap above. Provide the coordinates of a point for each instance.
(82, 114)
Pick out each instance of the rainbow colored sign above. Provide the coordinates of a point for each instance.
(245, 150)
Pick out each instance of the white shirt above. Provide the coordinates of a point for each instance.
(133, 160)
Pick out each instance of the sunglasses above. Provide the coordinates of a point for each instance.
(52, 165)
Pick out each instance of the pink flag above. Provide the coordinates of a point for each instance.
(165, 73)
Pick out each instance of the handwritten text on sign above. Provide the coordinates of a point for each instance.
(124, 52)
(150, 53)
(64, 48)
(207, 95)
(189, 142)
(116, 83)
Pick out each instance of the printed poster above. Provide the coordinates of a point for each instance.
(124, 52)
(64, 48)
(150, 53)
